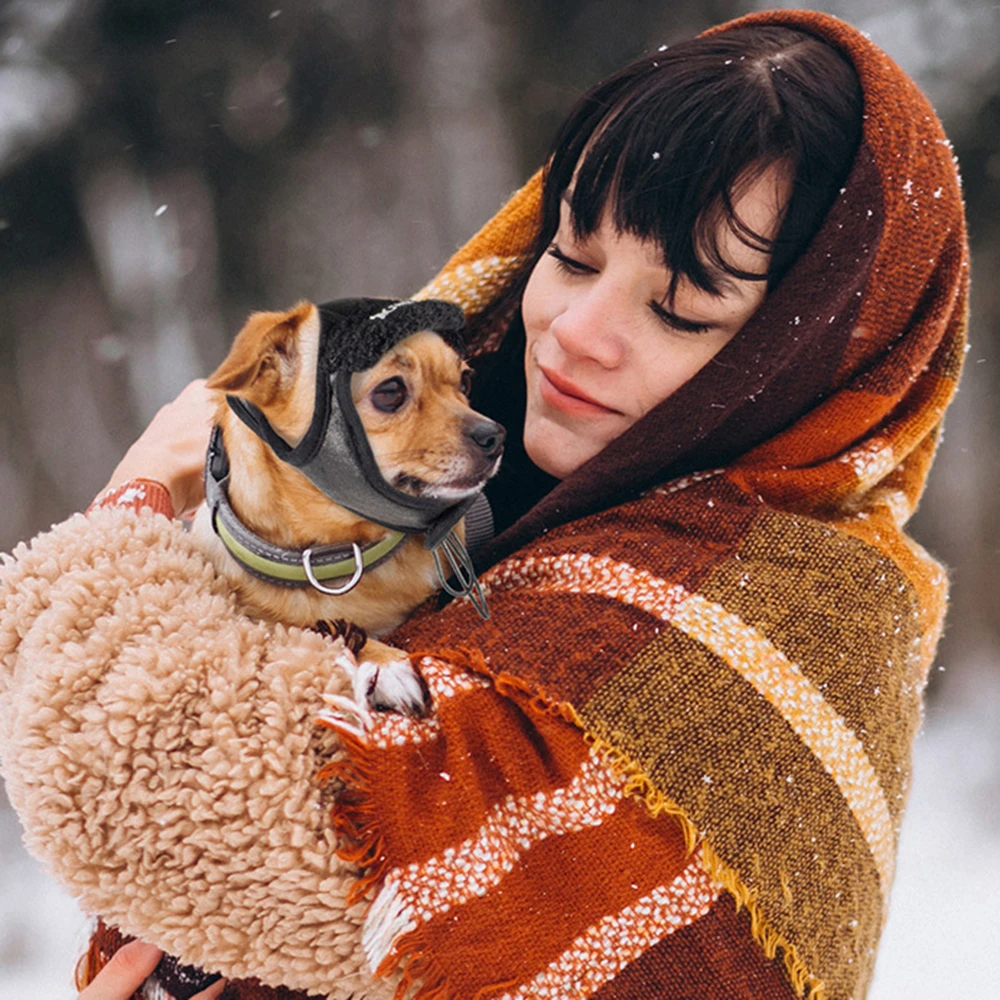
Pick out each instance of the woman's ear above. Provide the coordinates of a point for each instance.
(264, 361)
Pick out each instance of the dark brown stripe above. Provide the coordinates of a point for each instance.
(715, 958)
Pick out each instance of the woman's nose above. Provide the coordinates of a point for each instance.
(588, 327)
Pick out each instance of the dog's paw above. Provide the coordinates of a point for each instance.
(382, 680)
(395, 686)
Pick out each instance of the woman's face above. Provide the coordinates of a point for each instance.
(604, 347)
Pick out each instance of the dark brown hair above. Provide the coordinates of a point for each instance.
(667, 143)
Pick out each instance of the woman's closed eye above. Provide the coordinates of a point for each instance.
(568, 264)
(571, 266)
(676, 322)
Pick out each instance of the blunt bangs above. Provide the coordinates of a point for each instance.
(669, 143)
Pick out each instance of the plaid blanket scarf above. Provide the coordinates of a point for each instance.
(674, 762)
(744, 648)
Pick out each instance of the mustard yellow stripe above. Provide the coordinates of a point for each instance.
(750, 653)
(804, 708)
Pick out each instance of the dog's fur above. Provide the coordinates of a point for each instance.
(424, 448)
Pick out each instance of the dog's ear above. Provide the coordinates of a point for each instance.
(265, 357)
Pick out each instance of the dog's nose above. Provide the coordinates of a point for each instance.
(489, 436)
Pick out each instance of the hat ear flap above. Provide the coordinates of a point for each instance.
(265, 358)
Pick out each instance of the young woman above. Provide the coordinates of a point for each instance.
(724, 328)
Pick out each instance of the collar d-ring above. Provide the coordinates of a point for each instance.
(359, 568)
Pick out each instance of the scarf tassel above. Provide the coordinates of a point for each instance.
(422, 975)
(354, 818)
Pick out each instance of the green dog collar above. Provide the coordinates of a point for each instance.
(293, 567)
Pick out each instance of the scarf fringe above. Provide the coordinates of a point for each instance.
(390, 936)
(421, 973)
(360, 841)
(638, 784)
(803, 981)
(422, 977)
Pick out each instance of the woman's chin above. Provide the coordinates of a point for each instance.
(557, 451)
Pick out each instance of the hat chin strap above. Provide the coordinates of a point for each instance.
(315, 566)
(337, 459)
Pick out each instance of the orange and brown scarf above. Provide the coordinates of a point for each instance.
(744, 648)
(725, 605)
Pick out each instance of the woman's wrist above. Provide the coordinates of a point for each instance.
(137, 494)
(151, 465)
(171, 450)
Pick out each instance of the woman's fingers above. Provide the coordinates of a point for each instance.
(128, 968)
(124, 974)
(211, 992)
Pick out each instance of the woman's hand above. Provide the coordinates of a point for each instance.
(128, 968)
(171, 450)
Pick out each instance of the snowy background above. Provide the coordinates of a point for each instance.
(168, 165)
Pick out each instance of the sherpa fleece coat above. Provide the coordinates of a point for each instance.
(672, 764)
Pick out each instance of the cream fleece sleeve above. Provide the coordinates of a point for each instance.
(158, 747)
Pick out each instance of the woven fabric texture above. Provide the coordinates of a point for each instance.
(747, 645)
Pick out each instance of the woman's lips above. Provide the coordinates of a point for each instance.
(564, 395)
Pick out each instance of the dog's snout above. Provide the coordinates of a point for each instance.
(489, 436)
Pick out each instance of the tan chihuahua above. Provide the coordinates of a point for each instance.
(426, 442)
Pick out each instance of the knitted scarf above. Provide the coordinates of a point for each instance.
(743, 647)
(723, 605)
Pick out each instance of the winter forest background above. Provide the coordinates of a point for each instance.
(168, 165)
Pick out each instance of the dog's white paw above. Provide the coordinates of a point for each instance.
(382, 680)
(392, 686)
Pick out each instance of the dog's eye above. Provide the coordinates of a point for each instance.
(389, 396)
(465, 384)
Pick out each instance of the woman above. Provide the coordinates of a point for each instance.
(739, 324)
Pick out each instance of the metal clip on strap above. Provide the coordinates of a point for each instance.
(460, 564)
(355, 579)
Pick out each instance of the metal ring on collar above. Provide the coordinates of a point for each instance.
(336, 591)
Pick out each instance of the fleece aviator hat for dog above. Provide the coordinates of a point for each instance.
(335, 454)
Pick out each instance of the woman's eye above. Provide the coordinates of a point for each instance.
(676, 322)
(567, 264)
(389, 396)
(465, 383)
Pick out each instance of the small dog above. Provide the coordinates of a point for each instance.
(426, 441)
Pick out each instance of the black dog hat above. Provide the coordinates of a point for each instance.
(357, 332)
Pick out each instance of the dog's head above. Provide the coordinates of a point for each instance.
(413, 402)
